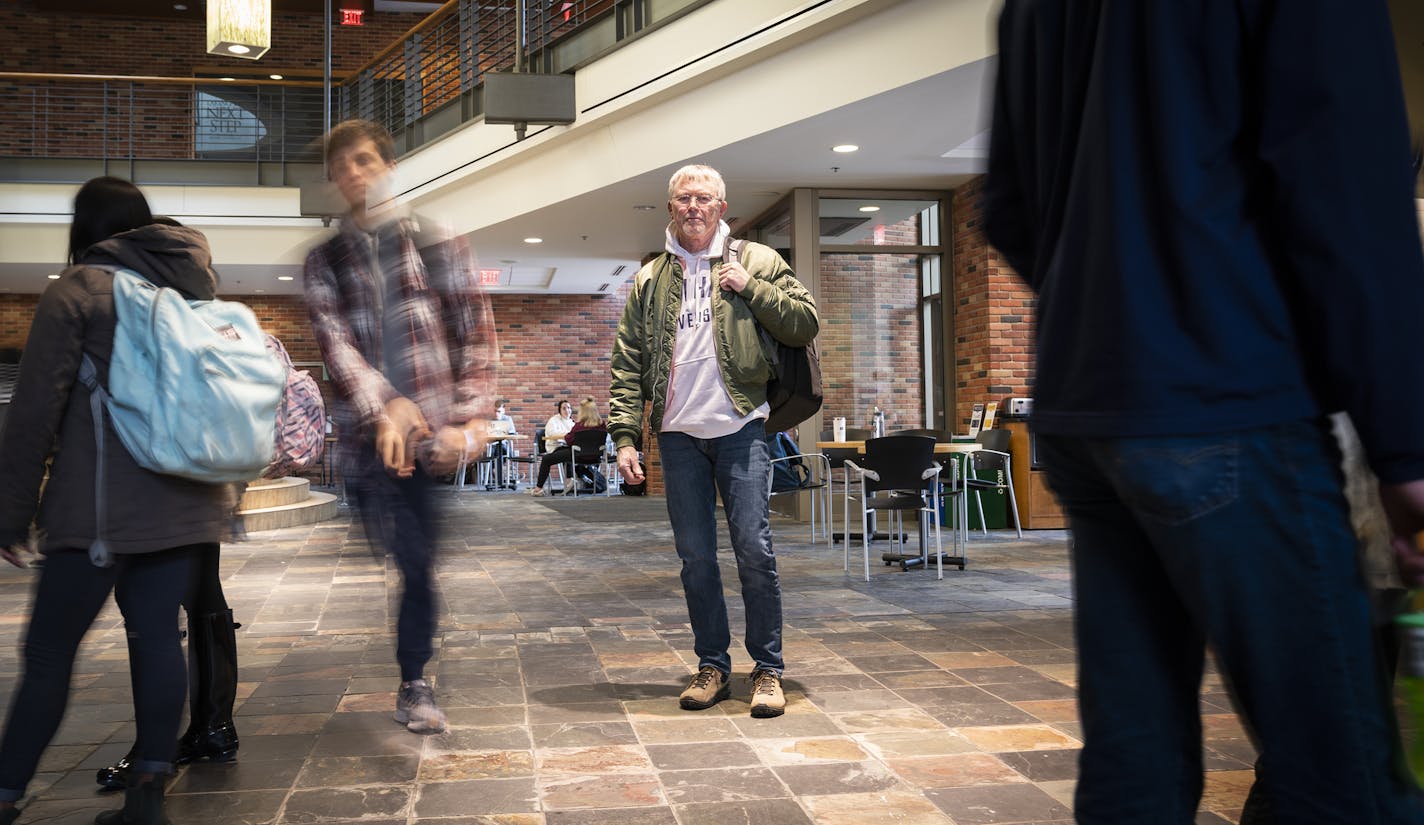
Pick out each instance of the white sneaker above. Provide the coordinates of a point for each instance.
(536, 491)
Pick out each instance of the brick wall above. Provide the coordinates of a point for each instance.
(40, 41)
(89, 119)
(552, 347)
(993, 314)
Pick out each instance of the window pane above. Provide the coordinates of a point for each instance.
(878, 222)
(871, 338)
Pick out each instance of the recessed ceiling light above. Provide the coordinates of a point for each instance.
(508, 261)
(259, 290)
(284, 277)
(275, 76)
(643, 207)
(845, 148)
(238, 48)
(180, 7)
(53, 277)
(226, 79)
(533, 240)
(870, 209)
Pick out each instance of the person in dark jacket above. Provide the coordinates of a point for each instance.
(212, 664)
(1213, 202)
(157, 524)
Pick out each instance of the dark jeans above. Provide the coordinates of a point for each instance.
(69, 594)
(695, 470)
(559, 455)
(403, 512)
(1241, 540)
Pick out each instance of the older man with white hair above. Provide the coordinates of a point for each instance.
(690, 343)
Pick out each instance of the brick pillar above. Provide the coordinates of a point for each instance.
(993, 314)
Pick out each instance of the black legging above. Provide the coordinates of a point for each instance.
(562, 455)
(69, 595)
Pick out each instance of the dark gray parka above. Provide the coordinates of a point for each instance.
(49, 422)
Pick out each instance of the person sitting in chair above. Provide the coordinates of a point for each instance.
(588, 419)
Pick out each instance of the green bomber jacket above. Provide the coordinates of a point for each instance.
(642, 350)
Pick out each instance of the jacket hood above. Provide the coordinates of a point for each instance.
(171, 256)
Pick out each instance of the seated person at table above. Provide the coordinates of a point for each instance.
(588, 419)
(558, 426)
(500, 424)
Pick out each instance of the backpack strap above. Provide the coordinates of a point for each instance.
(99, 553)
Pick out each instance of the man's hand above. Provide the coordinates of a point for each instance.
(628, 465)
(445, 451)
(397, 436)
(1404, 504)
(731, 276)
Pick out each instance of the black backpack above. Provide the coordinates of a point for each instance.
(786, 475)
(794, 392)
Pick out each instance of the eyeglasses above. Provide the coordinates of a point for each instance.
(700, 200)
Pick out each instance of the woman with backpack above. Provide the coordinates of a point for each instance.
(156, 525)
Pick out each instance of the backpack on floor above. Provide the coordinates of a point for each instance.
(301, 419)
(794, 392)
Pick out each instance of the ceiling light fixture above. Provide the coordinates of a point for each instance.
(870, 209)
(227, 79)
(284, 277)
(53, 277)
(240, 28)
(275, 76)
(533, 240)
(845, 148)
(643, 207)
(180, 7)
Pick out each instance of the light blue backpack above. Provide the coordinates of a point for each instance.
(193, 390)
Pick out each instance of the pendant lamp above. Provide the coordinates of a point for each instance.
(239, 28)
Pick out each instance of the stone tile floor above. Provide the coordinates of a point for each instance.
(563, 644)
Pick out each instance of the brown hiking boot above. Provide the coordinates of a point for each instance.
(706, 689)
(767, 698)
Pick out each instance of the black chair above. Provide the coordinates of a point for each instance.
(589, 450)
(899, 474)
(992, 455)
(817, 481)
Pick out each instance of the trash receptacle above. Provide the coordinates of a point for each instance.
(996, 504)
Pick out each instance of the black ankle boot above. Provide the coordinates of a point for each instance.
(212, 658)
(9, 815)
(116, 776)
(143, 805)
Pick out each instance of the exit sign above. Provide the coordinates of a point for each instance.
(353, 17)
(490, 277)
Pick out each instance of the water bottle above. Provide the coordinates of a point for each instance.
(1411, 679)
(878, 422)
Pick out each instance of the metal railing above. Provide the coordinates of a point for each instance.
(267, 131)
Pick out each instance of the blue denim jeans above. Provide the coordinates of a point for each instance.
(402, 514)
(695, 470)
(1241, 541)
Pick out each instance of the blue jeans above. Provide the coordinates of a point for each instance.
(694, 471)
(401, 513)
(1241, 541)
